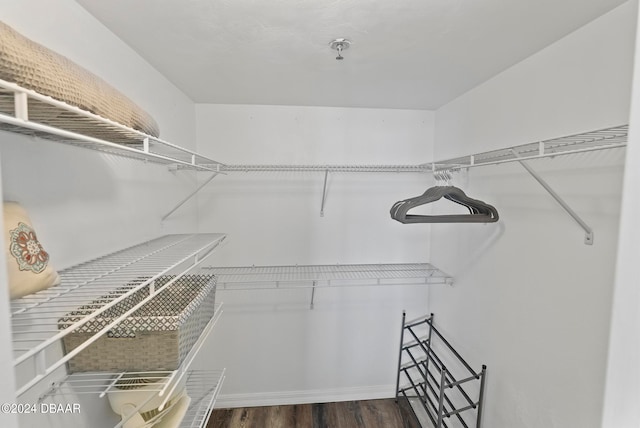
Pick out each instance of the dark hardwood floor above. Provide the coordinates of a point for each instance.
(346, 414)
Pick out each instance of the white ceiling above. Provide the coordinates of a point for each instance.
(416, 54)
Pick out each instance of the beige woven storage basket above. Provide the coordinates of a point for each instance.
(157, 336)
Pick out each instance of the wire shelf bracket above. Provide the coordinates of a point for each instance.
(588, 231)
(191, 195)
(603, 139)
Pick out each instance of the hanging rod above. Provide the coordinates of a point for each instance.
(603, 139)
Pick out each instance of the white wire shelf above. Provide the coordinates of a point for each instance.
(298, 276)
(162, 384)
(326, 168)
(27, 112)
(35, 318)
(603, 139)
(202, 386)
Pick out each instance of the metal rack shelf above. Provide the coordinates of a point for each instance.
(35, 328)
(27, 112)
(436, 380)
(252, 277)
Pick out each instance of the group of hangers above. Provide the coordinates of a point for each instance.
(479, 211)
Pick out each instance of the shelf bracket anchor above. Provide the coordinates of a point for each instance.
(21, 105)
(588, 237)
(191, 195)
(324, 194)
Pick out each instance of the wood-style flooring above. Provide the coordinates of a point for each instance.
(346, 414)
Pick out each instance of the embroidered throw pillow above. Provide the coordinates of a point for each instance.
(28, 266)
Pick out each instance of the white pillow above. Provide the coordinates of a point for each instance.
(28, 264)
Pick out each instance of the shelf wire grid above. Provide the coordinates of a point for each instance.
(603, 139)
(102, 383)
(51, 119)
(324, 168)
(202, 386)
(300, 276)
(101, 283)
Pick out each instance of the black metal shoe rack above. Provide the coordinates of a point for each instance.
(434, 375)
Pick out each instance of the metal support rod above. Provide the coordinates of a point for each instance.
(423, 375)
(483, 375)
(417, 323)
(191, 195)
(460, 382)
(324, 192)
(452, 379)
(443, 379)
(404, 317)
(588, 239)
(423, 402)
(426, 363)
(313, 293)
(451, 348)
(427, 376)
(457, 412)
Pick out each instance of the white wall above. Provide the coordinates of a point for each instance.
(275, 349)
(531, 300)
(84, 204)
(622, 391)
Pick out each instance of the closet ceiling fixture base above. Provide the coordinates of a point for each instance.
(340, 45)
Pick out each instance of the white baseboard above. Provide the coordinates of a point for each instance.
(279, 398)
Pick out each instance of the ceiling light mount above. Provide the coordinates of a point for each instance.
(340, 45)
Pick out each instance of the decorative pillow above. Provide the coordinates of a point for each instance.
(28, 264)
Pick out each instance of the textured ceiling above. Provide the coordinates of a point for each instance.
(416, 54)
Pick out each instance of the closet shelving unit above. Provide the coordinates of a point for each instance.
(203, 387)
(20, 110)
(326, 276)
(295, 276)
(34, 320)
(35, 331)
(602, 139)
(27, 112)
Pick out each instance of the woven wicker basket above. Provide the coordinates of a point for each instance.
(157, 336)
